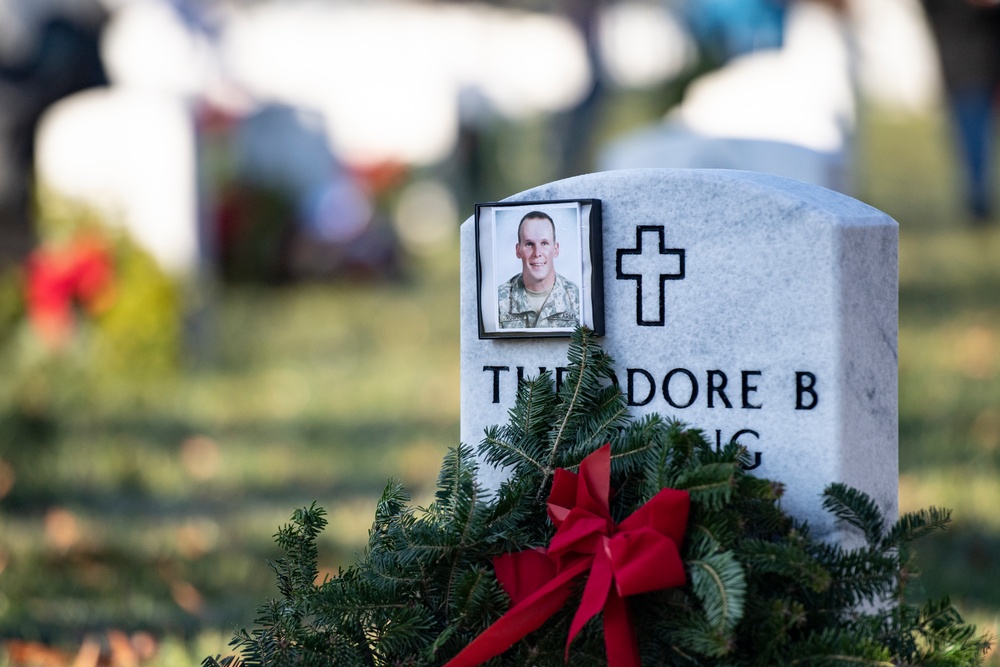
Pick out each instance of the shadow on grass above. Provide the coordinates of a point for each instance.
(147, 466)
(965, 566)
(932, 303)
(927, 442)
(167, 432)
(158, 543)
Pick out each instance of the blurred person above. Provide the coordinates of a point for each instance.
(795, 109)
(538, 297)
(725, 29)
(48, 50)
(967, 33)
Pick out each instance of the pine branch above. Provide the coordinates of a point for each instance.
(535, 401)
(837, 647)
(507, 448)
(856, 508)
(709, 535)
(786, 559)
(696, 637)
(651, 435)
(461, 483)
(710, 484)
(865, 575)
(720, 584)
(834, 660)
(915, 525)
(572, 391)
(761, 590)
(610, 416)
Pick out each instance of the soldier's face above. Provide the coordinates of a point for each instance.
(537, 249)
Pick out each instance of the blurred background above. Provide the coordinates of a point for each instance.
(213, 211)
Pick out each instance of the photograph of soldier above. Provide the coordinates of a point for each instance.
(538, 297)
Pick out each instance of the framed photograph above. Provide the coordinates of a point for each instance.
(539, 268)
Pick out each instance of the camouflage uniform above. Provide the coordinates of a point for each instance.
(561, 308)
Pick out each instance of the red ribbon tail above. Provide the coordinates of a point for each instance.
(595, 593)
(522, 619)
(620, 642)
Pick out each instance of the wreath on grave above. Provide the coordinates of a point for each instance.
(683, 556)
(88, 298)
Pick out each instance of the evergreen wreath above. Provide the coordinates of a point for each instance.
(760, 590)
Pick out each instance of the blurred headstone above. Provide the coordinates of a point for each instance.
(673, 146)
(131, 156)
(786, 111)
(801, 94)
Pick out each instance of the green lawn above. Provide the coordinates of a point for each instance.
(151, 506)
(949, 358)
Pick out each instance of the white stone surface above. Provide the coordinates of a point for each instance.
(780, 278)
(131, 155)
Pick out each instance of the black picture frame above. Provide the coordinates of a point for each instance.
(579, 262)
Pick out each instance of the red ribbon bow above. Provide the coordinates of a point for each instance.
(639, 555)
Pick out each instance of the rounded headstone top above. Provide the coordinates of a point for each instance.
(710, 190)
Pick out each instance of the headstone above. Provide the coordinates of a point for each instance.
(131, 155)
(672, 145)
(794, 110)
(747, 305)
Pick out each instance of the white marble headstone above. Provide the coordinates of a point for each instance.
(131, 155)
(766, 310)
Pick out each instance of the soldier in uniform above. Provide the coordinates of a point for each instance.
(538, 297)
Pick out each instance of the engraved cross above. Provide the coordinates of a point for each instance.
(650, 267)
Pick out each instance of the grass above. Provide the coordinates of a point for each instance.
(150, 507)
(949, 358)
